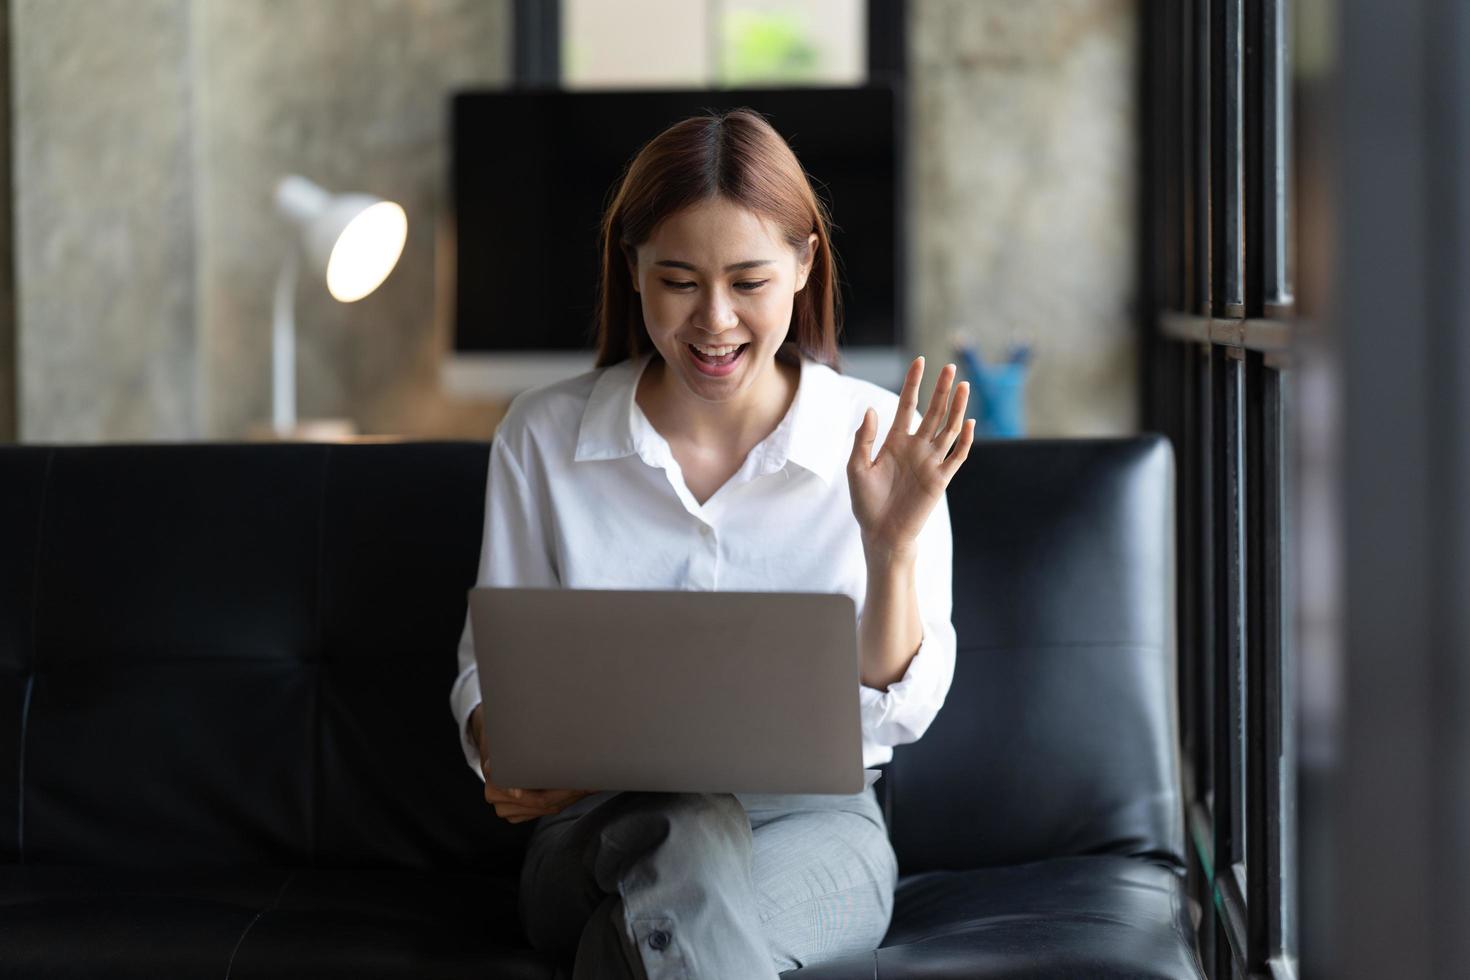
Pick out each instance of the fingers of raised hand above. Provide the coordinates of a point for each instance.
(862, 441)
(955, 420)
(908, 396)
(961, 450)
(939, 403)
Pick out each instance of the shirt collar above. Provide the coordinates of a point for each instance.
(613, 426)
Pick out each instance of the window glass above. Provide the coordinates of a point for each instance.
(713, 44)
(781, 41)
(634, 44)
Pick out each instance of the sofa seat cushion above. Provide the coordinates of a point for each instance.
(249, 922)
(1096, 916)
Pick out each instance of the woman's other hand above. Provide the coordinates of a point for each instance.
(893, 494)
(517, 805)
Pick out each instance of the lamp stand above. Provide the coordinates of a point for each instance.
(284, 424)
(283, 346)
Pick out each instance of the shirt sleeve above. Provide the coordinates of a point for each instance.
(904, 712)
(515, 550)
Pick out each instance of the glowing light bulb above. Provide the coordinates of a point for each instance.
(366, 251)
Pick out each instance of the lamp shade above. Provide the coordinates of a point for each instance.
(353, 240)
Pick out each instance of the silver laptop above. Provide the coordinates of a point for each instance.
(674, 691)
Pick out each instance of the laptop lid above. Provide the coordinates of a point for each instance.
(673, 691)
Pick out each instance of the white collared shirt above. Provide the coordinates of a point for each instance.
(582, 492)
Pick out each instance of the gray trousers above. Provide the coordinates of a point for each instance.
(707, 885)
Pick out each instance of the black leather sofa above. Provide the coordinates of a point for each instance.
(226, 753)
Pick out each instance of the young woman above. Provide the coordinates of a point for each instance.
(716, 446)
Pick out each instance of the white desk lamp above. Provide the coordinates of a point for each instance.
(354, 240)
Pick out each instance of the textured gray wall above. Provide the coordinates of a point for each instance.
(1022, 166)
(103, 219)
(148, 138)
(9, 389)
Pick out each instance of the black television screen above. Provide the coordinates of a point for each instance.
(532, 170)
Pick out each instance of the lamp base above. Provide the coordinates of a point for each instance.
(305, 430)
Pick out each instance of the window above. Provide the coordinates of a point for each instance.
(1219, 382)
(714, 44)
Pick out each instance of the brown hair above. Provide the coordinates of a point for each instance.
(737, 156)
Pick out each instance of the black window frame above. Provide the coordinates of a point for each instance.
(1215, 268)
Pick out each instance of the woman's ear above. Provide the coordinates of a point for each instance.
(805, 269)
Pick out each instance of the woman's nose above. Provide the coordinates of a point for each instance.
(717, 313)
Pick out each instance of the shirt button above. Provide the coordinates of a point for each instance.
(658, 939)
(706, 530)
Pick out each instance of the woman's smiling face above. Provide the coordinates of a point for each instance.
(717, 275)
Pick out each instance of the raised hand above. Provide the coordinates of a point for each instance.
(893, 494)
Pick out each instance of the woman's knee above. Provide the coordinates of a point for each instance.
(693, 834)
(695, 820)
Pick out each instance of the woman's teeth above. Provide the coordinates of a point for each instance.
(717, 356)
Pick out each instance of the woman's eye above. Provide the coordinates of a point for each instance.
(749, 286)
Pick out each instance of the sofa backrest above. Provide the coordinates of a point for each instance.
(240, 654)
(229, 654)
(1058, 736)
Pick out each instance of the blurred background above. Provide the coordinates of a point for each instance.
(1242, 223)
(147, 137)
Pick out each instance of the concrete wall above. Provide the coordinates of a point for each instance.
(9, 389)
(1022, 166)
(104, 219)
(148, 137)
